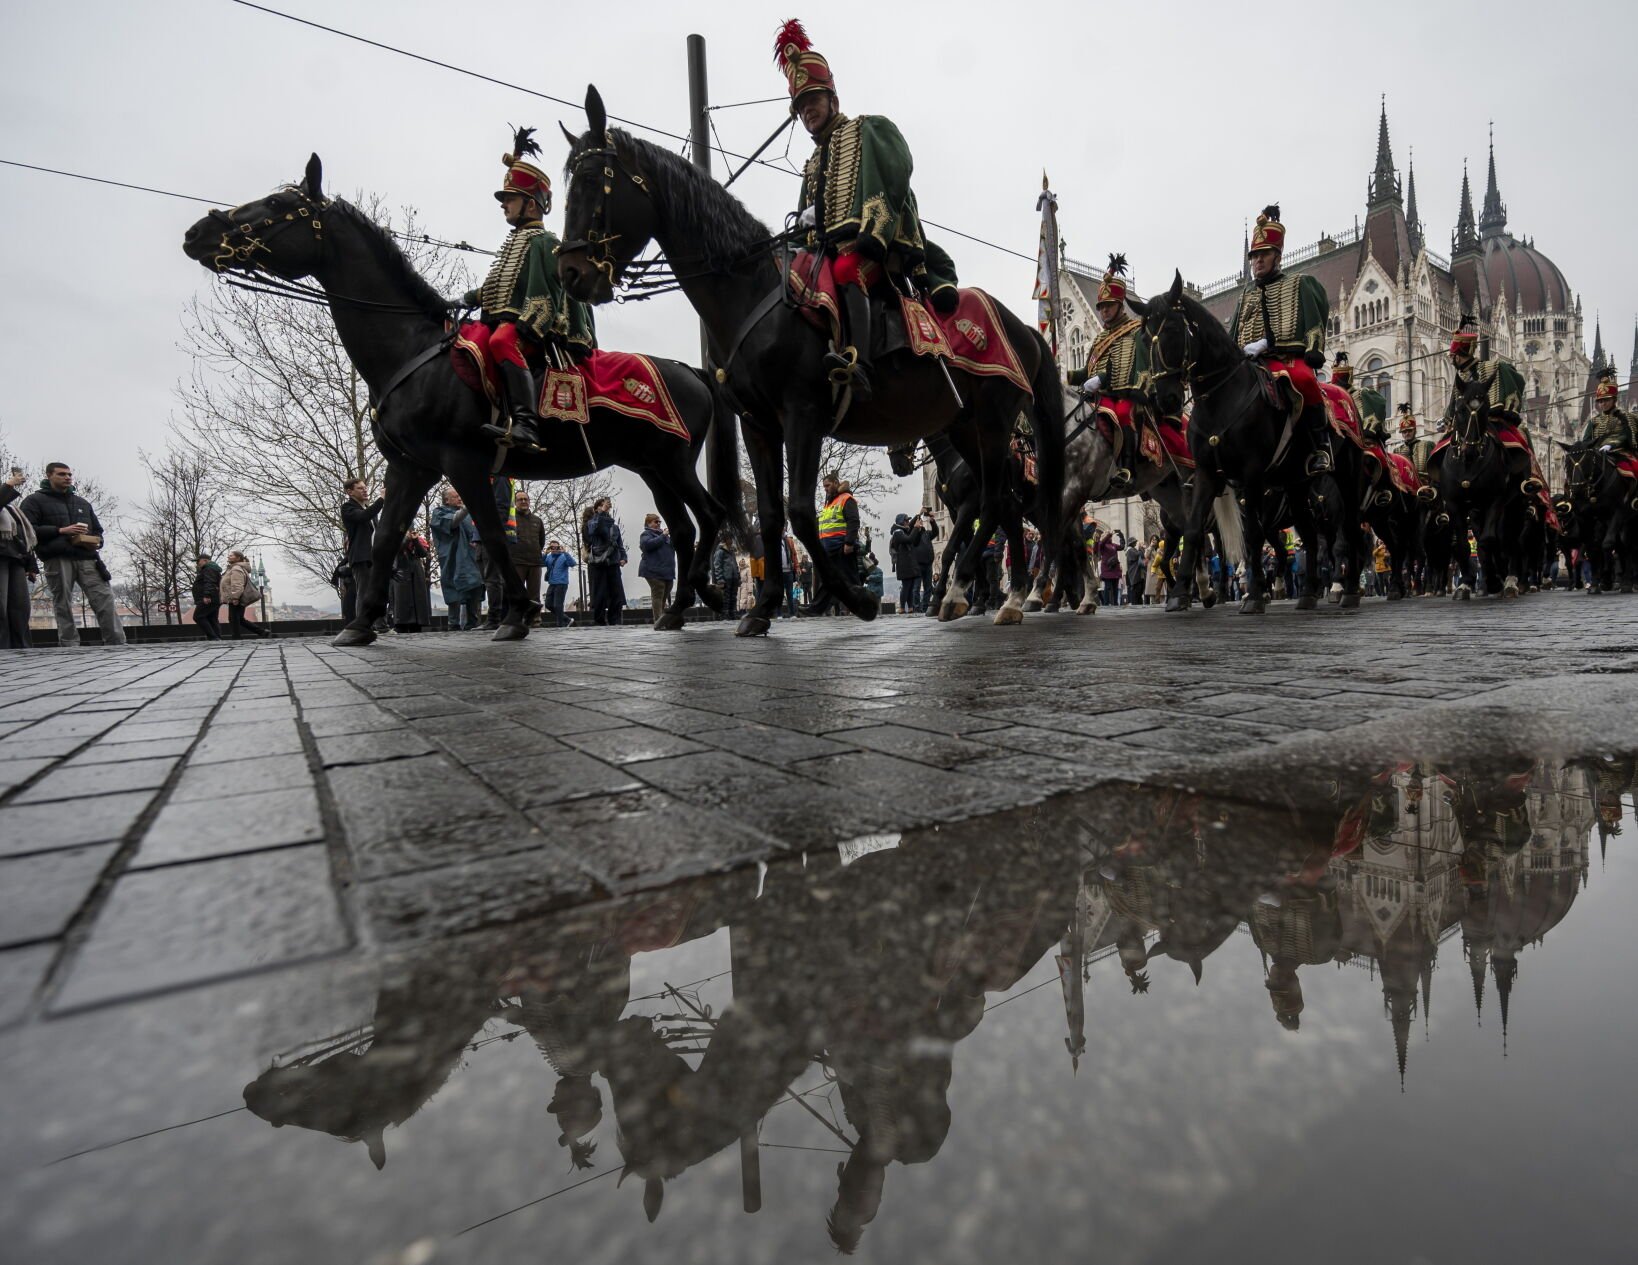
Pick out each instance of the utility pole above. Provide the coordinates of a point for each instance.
(699, 137)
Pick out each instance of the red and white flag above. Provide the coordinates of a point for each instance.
(1046, 266)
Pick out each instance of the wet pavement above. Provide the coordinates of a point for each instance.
(1145, 939)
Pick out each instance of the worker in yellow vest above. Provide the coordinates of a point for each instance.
(838, 535)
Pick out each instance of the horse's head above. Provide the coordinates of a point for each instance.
(282, 233)
(1172, 346)
(608, 216)
(1470, 422)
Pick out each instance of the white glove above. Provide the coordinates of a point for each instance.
(1253, 350)
(809, 217)
(1607, 448)
(1091, 386)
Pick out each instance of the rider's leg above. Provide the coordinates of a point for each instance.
(851, 363)
(517, 389)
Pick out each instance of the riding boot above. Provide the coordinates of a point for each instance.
(1319, 432)
(517, 392)
(851, 364)
(1124, 472)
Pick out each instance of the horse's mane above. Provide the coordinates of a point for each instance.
(697, 204)
(1212, 331)
(392, 257)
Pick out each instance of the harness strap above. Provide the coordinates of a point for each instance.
(398, 379)
(757, 315)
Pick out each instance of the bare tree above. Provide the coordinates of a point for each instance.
(560, 506)
(276, 408)
(864, 469)
(183, 517)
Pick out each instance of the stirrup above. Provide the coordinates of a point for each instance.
(1120, 476)
(844, 364)
(1531, 486)
(1319, 462)
(1426, 493)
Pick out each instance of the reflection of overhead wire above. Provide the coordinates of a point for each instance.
(561, 1190)
(137, 1136)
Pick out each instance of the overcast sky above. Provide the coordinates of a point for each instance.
(1163, 128)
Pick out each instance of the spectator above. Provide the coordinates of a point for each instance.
(358, 515)
(922, 552)
(605, 555)
(458, 574)
(725, 575)
(412, 585)
(658, 565)
(69, 543)
(239, 591)
(1155, 586)
(838, 536)
(1109, 548)
(207, 598)
(527, 550)
(1135, 573)
(557, 563)
(901, 550)
(341, 579)
(18, 565)
(874, 581)
(989, 576)
(788, 556)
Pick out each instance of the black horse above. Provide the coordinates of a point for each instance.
(427, 421)
(1240, 437)
(1605, 506)
(1483, 483)
(624, 193)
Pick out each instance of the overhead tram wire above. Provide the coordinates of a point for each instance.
(576, 105)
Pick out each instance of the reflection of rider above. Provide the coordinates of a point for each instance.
(1117, 370)
(857, 204)
(526, 313)
(1281, 320)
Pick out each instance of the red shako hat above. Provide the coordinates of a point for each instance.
(805, 70)
(1269, 234)
(1112, 289)
(522, 177)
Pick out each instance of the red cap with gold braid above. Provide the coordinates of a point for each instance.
(1269, 234)
(1112, 289)
(522, 177)
(1466, 338)
(805, 70)
(1342, 373)
(1608, 388)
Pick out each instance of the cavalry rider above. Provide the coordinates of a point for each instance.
(1281, 321)
(1504, 384)
(857, 205)
(526, 315)
(1373, 409)
(1610, 428)
(1416, 448)
(1118, 367)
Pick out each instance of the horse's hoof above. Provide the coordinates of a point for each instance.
(669, 621)
(1394, 596)
(1176, 603)
(752, 626)
(866, 605)
(1208, 599)
(354, 637)
(511, 632)
(1087, 608)
(1349, 601)
(1253, 606)
(953, 608)
(1307, 602)
(711, 596)
(1464, 594)
(1009, 614)
(1333, 595)
(1034, 604)
(1051, 608)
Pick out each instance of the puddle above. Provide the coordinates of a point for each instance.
(1383, 1016)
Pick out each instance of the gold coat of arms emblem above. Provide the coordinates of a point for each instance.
(973, 333)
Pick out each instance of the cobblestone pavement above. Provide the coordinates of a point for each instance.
(180, 814)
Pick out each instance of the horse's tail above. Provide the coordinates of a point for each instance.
(722, 457)
(1231, 533)
(1050, 428)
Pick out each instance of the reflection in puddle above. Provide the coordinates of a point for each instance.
(822, 1007)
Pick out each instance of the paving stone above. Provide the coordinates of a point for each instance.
(238, 777)
(17, 769)
(631, 743)
(400, 798)
(914, 744)
(938, 794)
(530, 781)
(141, 731)
(76, 782)
(22, 971)
(100, 753)
(431, 705)
(65, 824)
(255, 712)
(244, 742)
(934, 720)
(352, 718)
(775, 746)
(40, 893)
(463, 897)
(165, 928)
(497, 741)
(233, 822)
(372, 747)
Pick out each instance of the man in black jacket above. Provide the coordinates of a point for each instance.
(70, 553)
(358, 516)
(207, 598)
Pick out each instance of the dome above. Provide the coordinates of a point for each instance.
(1532, 281)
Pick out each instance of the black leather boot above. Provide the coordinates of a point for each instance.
(852, 363)
(1319, 432)
(517, 394)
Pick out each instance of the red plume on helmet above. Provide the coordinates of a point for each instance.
(805, 70)
(790, 33)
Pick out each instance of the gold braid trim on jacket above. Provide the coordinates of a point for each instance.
(1113, 357)
(495, 295)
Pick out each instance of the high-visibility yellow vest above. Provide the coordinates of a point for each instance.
(832, 522)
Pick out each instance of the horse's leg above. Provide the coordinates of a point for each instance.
(802, 444)
(767, 458)
(1254, 602)
(1461, 554)
(1206, 488)
(1351, 536)
(406, 485)
(671, 509)
(952, 603)
(471, 480)
(1308, 534)
(1012, 522)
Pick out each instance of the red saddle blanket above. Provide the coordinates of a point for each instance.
(1403, 472)
(1166, 440)
(970, 338)
(1512, 437)
(1627, 464)
(620, 380)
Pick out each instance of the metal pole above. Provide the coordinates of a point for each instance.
(699, 136)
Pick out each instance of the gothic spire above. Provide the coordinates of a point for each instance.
(1466, 236)
(1598, 345)
(1413, 218)
(1493, 219)
(1384, 186)
(1632, 372)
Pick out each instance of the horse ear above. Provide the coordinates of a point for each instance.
(1565, 446)
(1176, 292)
(1137, 305)
(568, 136)
(597, 118)
(312, 183)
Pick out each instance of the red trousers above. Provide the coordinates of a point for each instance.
(502, 342)
(1302, 377)
(1121, 411)
(850, 268)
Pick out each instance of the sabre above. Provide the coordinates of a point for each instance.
(949, 381)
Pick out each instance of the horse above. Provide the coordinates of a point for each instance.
(426, 421)
(625, 192)
(1483, 485)
(1605, 504)
(1239, 439)
(1396, 518)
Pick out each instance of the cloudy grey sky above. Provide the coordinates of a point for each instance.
(1162, 126)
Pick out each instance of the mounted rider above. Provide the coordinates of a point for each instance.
(527, 318)
(1373, 409)
(1416, 448)
(1117, 372)
(1281, 321)
(857, 205)
(1504, 385)
(1610, 428)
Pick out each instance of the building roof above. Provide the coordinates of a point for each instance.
(1532, 281)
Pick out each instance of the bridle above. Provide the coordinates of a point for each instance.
(598, 243)
(242, 240)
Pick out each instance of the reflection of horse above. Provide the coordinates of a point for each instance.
(625, 192)
(427, 422)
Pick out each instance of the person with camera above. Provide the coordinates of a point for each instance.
(18, 566)
(70, 553)
(904, 546)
